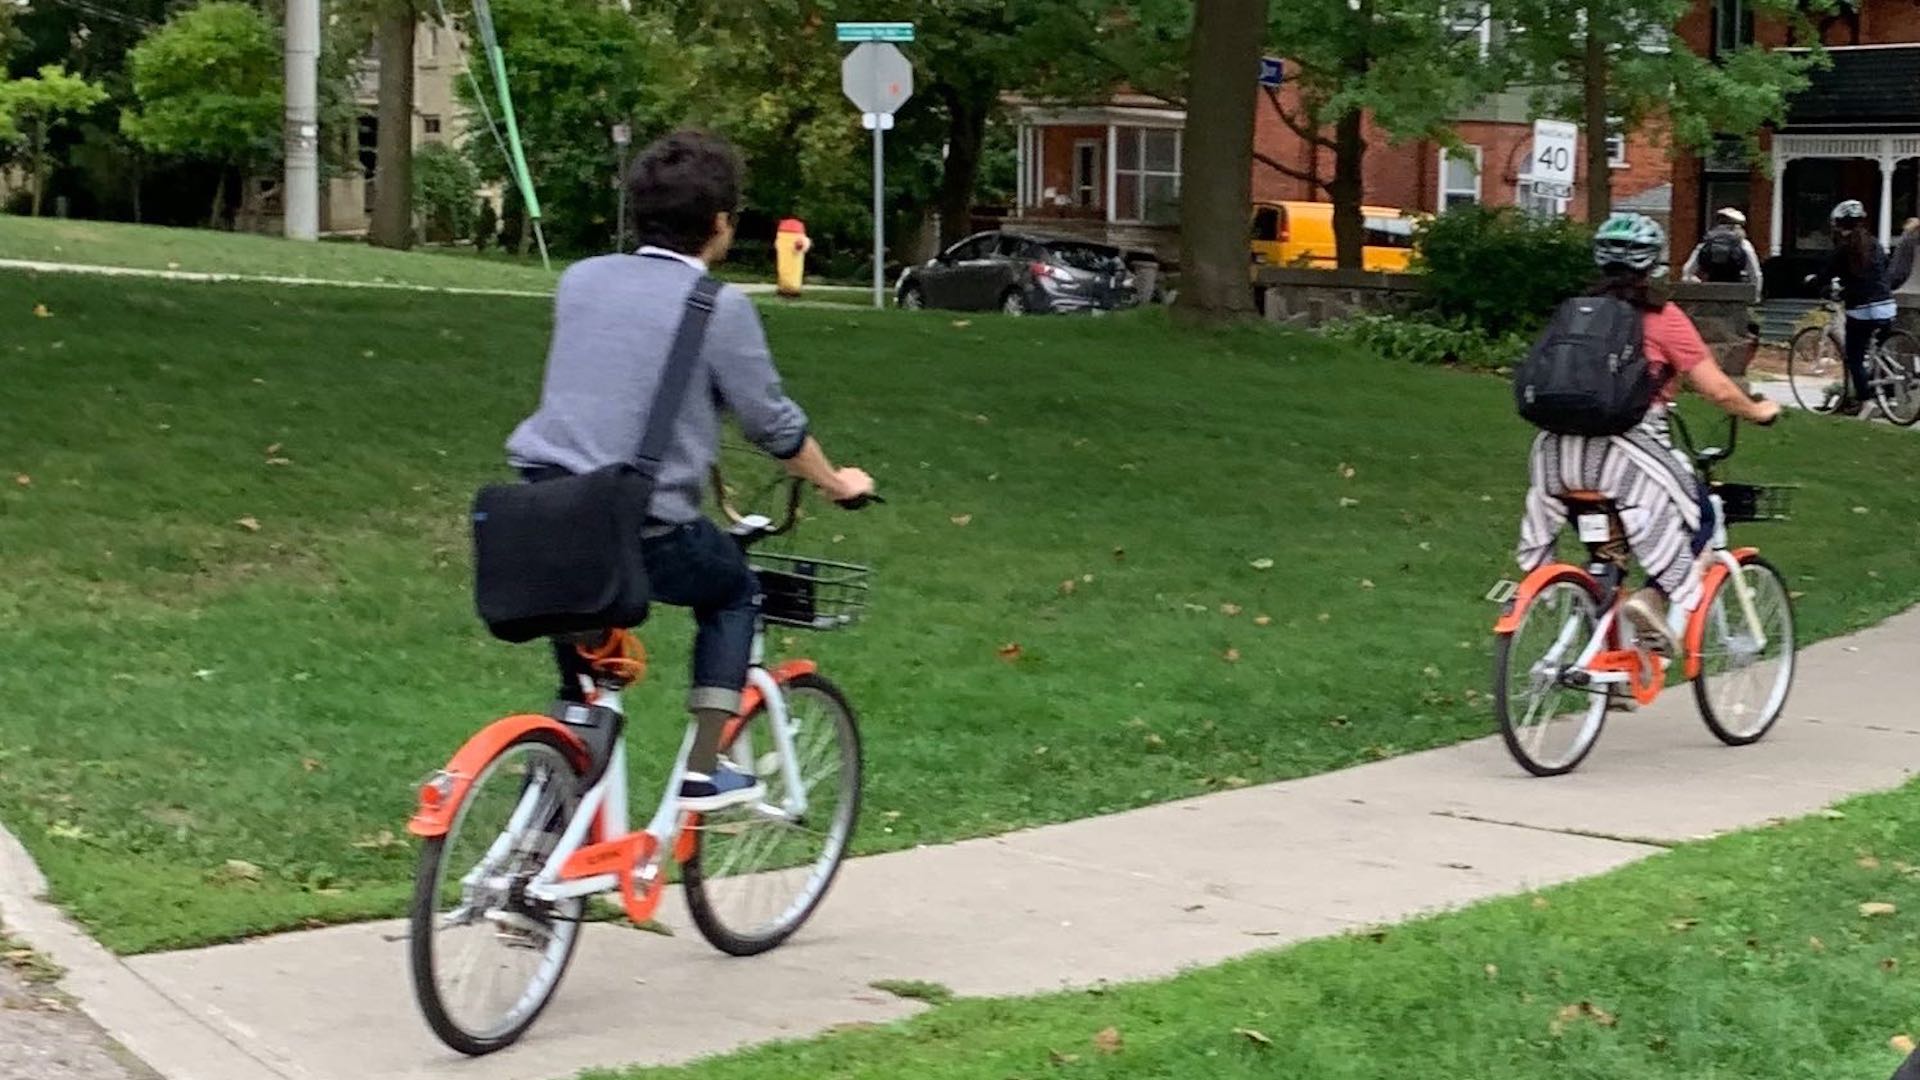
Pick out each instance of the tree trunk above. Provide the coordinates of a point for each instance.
(1348, 191)
(392, 225)
(219, 207)
(1594, 88)
(966, 132)
(1216, 170)
(38, 150)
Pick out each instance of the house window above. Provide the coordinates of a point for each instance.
(1146, 175)
(1732, 25)
(1473, 22)
(1459, 177)
(1086, 173)
(431, 124)
(433, 42)
(1538, 201)
(1616, 144)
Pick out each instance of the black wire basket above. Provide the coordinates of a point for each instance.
(811, 593)
(1756, 502)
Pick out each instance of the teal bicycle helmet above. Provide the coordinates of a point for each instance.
(1630, 241)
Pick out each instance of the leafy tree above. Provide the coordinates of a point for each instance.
(444, 182)
(208, 84)
(33, 107)
(1601, 61)
(577, 67)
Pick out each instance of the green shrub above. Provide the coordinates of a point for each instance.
(1501, 270)
(1415, 341)
(443, 185)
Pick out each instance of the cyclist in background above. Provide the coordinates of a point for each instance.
(1859, 263)
(1667, 527)
(1725, 254)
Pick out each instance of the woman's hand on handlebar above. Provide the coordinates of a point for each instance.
(1764, 413)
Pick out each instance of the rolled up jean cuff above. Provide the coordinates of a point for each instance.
(714, 697)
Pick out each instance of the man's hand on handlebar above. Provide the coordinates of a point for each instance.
(851, 488)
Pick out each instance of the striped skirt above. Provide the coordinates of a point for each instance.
(1653, 484)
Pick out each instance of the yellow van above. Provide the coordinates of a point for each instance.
(1301, 234)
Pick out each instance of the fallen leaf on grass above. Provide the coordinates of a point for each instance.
(1263, 620)
(203, 674)
(1325, 616)
(1540, 903)
(1890, 965)
(1229, 610)
(1010, 651)
(1067, 587)
(380, 841)
(40, 312)
(1902, 1043)
(1834, 815)
(1119, 554)
(1234, 781)
(1154, 741)
(1346, 471)
(1861, 510)
(1681, 926)
(1366, 583)
(1585, 1010)
(1231, 656)
(1876, 909)
(251, 524)
(1057, 1058)
(23, 480)
(1493, 972)
(1258, 1038)
(1261, 564)
(962, 520)
(239, 870)
(1346, 503)
(66, 830)
(1107, 1040)
(311, 765)
(1867, 862)
(1816, 944)
(962, 324)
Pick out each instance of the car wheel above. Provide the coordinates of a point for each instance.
(911, 299)
(1013, 303)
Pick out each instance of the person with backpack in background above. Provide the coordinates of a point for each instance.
(1725, 254)
(1859, 264)
(1599, 384)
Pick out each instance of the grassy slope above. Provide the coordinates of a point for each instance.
(1745, 957)
(183, 691)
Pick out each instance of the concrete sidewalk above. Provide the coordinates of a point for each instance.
(1131, 896)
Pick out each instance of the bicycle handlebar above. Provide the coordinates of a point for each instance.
(796, 488)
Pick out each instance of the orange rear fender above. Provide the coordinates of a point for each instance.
(441, 795)
(1511, 614)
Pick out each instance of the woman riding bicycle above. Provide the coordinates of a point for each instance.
(1859, 263)
(1663, 506)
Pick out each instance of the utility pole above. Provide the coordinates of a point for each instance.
(300, 192)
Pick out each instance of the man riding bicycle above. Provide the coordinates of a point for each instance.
(614, 319)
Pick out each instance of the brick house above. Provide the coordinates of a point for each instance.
(1854, 134)
(1111, 170)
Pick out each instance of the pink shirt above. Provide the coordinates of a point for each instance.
(1673, 343)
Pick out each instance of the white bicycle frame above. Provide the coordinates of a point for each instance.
(606, 801)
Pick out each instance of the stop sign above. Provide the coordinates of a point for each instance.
(876, 77)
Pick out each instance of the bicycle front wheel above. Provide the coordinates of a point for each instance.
(1897, 378)
(1746, 665)
(1549, 726)
(757, 873)
(1816, 370)
(486, 957)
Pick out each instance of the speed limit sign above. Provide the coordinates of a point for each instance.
(1555, 148)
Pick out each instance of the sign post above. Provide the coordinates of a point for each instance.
(878, 79)
(1550, 163)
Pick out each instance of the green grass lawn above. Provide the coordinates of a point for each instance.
(1123, 563)
(1742, 958)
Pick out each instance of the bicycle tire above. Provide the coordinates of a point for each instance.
(424, 917)
(1510, 725)
(703, 882)
(1808, 380)
(1898, 355)
(1704, 683)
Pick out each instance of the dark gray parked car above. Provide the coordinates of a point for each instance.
(1020, 274)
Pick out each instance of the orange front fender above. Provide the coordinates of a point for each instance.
(1509, 620)
(1697, 625)
(441, 795)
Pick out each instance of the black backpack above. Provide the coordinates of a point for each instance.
(1588, 374)
(1722, 258)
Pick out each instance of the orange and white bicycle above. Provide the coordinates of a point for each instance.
(1563, 653)
(529, 818)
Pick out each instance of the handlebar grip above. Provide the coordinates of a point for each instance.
(859, 502)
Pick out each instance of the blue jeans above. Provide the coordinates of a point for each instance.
(1862, 334)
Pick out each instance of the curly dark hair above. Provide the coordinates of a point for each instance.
(678, 184)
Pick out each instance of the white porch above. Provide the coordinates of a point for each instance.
(1888, 152)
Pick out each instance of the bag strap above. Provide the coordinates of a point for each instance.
(682, 358)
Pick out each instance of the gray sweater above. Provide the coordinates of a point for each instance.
(614, 320)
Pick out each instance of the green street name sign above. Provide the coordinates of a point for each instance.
(873, 31)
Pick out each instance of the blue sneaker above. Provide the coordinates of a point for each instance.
(727, 787)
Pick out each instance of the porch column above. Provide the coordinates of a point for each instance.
(1113, 180)
(1774, 225)
(1020, 168)
(1886, 192)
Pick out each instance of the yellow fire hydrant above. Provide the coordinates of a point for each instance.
(790, 247)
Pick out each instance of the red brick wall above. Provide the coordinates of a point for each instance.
(1056, 167)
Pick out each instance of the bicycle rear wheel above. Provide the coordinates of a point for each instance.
(1549, 727)
(1897, 378)
(1743, 682)
(487, 958)
(1814, 365)
(757, 873)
